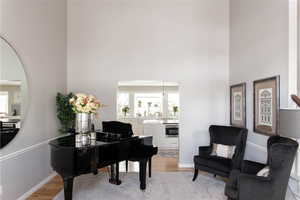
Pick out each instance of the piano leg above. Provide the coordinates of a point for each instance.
(126, 165)
(95, 160)
(114, 175)
(143, 169)
(150, 167)
(95, 172)
(118, 181)
(112, 171)
(68, 187)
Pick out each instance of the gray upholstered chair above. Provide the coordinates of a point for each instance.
(246, 185)
(226, 135)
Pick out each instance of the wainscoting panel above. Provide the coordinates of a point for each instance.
(22, 171)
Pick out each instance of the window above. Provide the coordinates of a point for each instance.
(294, 70)
(148, 104)
(144, 100)
(173, 105)
(3, 103)
(122, 104)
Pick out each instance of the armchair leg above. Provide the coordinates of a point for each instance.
(215, 175)
(195, 174)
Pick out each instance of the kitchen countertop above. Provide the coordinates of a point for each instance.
(10, 119)
(165, 121)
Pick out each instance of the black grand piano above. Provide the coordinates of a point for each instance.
(69, 159)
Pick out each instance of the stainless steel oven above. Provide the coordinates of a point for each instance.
(172, 130)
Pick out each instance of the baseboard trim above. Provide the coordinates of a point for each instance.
(37, 187)
(27, 149)
(185, 165)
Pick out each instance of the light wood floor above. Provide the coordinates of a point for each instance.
(159, 164)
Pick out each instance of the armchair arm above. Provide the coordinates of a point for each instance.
(205, 151)
(239, 153)
(250, 167)
(254, 187)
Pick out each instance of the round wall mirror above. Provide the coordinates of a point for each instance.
(13, 93)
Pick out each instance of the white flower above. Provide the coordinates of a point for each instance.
(72, 101)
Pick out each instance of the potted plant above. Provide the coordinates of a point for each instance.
(139, 103)
(64, 112)
(175, 110)
(125, 110)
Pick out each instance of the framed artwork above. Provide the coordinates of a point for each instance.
(266, 98)
(238, 105)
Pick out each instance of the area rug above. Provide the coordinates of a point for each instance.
(162, 186)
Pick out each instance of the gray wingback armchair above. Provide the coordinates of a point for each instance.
(246, 185)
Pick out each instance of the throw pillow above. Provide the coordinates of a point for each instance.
(224, 151)
(265, 172)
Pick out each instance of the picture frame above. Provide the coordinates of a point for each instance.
(266, 99)
(238, 105)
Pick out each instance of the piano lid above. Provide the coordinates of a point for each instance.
(70, 142)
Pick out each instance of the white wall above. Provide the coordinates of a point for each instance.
(170, 40)
(37, 29)
(298, 47)
(258, 49)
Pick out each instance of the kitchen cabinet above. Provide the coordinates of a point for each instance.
(157, 129)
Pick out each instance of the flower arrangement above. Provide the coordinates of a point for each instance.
(82, 103)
